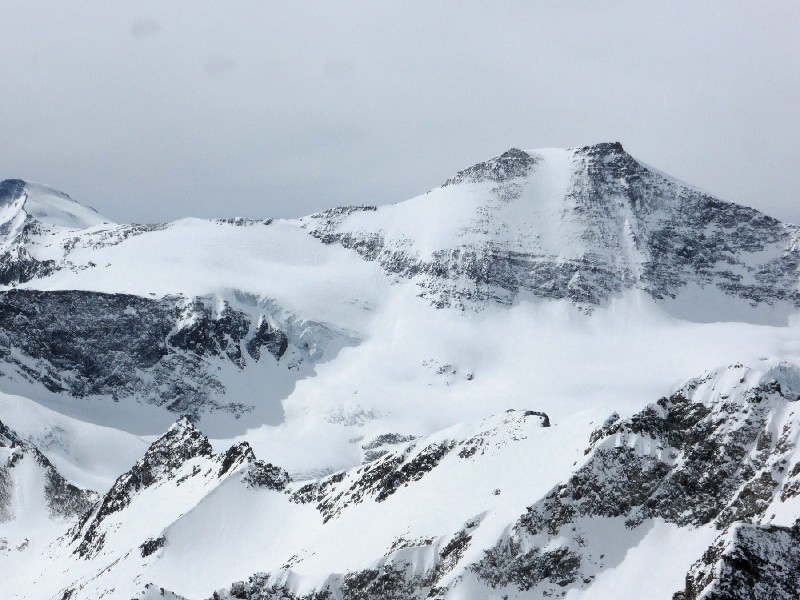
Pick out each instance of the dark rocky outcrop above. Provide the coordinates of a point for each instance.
(381, 477)
(512, 164)
(748, 561)
(181, 443)
(152, 545)
(125, 346)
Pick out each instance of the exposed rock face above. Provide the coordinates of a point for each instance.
(700, 456)
(18, 266)
(748, 561)
(263, 475)
(629, 227)
(120, 345)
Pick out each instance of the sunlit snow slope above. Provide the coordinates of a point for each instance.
(562, 373)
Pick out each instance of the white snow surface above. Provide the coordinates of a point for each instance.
(50, 208)
(413, 370)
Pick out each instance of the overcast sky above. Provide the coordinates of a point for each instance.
(152, 111)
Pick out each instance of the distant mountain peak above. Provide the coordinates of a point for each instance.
(581, 224)
(20, 200)
(10, 190)
(29, 214)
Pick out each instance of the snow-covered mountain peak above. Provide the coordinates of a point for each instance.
(450, 454)
(583, 224)
(35, 221)
(45, 205)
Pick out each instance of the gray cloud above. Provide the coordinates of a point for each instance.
(280, 109)
(219, 66)
(145, 28)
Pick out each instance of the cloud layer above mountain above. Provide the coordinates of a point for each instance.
(153, 111)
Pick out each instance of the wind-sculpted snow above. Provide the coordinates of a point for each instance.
(620, 225)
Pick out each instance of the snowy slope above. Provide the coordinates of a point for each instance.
(36, 505)
(538, 232)
(468, 512)
(451, 397)
(88, 455)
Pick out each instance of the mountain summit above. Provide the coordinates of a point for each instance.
(31, 213)
(583, 224)
(45, 205)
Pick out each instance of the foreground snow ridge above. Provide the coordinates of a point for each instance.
(717, 458)
(508, 387)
